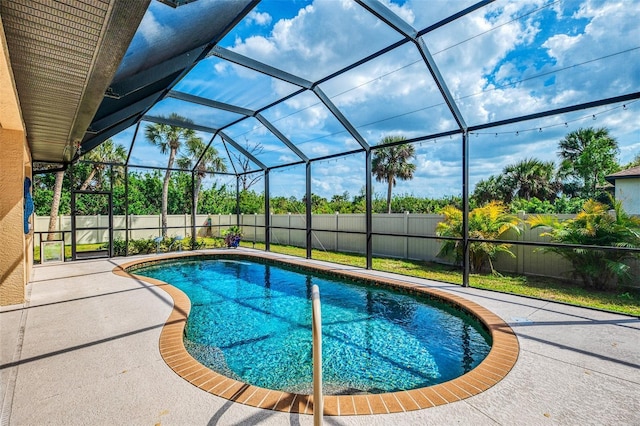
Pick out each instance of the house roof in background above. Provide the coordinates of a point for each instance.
(633, 172)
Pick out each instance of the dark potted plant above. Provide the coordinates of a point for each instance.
(232, 236)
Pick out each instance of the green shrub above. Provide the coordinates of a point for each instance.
(143, 246)
(594, 225)
(487, 222)
(119, 247)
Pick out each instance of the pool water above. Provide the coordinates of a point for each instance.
(252, 322)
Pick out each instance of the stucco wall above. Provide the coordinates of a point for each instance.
(16, 249)
(628, 192)
(14, 261)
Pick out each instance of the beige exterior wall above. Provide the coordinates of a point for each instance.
(16, 248)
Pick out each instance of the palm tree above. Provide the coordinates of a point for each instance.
(588, 155)
(488, 222)
(595, 225)
(55, 204)
(106, 152)
(491, 189)
(392, 162)
(531, 178)
(210, 162)
(169, 138)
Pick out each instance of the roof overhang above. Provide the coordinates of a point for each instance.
(631, 173)
(10, 116)
(66, 59)
(63, 56)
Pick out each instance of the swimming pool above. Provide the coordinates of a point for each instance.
(251, 321)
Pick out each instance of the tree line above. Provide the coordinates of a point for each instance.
(531, 185)
(586, 157)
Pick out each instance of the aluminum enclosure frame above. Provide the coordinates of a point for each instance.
(409, 35)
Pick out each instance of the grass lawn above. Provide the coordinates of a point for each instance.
(67, 250)
(626, 301)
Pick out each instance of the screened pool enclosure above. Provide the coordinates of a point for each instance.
(292, 99)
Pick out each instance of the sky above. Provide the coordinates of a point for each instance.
(506, 60)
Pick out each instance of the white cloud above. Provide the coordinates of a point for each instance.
(404, 11)
(151, 30)
(287, 158)
(220, 68)
(321, 38)
(487, 59)
(559, 44)
(259, 18)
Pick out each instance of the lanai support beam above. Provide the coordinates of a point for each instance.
(455, 111)
(368, 209)
(246, 153)
(126, 210)
(400, 25)
(341, 118)
(227, 138)
(266, 123)
(238, 200)
(194, 210)
(209, 103)
(465, 210)
(309, 216)
(267, 214)
(260, 67)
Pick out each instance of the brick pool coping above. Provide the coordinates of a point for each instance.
(500, 360)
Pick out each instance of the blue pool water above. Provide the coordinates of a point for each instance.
(252, 322)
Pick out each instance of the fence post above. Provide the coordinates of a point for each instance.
(336, 231)
(406, 232)
(289, 228)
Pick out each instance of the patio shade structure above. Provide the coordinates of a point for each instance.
(213, 62)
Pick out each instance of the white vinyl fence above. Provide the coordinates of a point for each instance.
(332, 232)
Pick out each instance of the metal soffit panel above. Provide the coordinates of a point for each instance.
(63, 55)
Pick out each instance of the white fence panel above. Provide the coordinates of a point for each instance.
(425, 250)
(325, 222)
(423, 224)
(394, 223)
(529, 260)
(389, 246)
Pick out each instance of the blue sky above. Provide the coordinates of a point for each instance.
(506, 60)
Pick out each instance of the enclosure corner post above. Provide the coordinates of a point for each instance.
(73, 217)
(238, 201)
(308, 208)
(368, 212)
(267, 219)
(465, 208)
(126, 210)
(194, 210)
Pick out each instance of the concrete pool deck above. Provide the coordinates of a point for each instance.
(84, 349)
